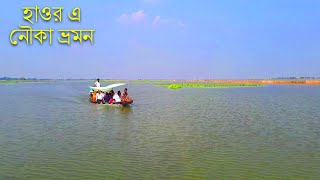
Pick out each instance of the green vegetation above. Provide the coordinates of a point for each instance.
(134, 81)
(179, 86)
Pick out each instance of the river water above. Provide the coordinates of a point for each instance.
(52, 131)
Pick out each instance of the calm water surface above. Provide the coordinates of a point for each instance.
(51, 131)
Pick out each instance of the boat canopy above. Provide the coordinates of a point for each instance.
(115, 85)
(106, 88)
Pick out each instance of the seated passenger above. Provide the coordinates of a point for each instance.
(94, 97)
(111, 101)
(116, 98)
(107, 97)
(100, 97)
(111, 93)
(119, 93)
(125, 98)
(124, 94)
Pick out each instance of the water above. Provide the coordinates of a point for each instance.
(51, 131)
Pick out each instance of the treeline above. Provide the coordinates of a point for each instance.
(35, 79)
(21, 79)
(296, 78)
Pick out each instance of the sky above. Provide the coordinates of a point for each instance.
(169, 39)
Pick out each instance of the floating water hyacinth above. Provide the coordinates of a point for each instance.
(179, 86)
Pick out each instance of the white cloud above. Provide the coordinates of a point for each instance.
(158, 21)
(135, 17)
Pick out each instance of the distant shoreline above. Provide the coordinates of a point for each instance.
(262, 81)
(248, 81)
(25, 81)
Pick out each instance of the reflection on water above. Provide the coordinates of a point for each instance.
(52, 131)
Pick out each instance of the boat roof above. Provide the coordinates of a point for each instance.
(106, 88)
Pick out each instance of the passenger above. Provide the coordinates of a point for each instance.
(103, 94)
(100, 97)
(107, 97)
(124, 94)
(111, 101)
(111, 93)
(94, 97)
(119, 93)
(97, 83)
(116, 98)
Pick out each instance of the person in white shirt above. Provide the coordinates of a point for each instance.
(100, 97)
(116, 98)
(97, 83)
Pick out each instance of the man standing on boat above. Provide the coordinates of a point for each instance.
(97, 83)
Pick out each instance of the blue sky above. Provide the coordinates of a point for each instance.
(170, 39)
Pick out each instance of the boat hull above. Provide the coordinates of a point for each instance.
(120, 104)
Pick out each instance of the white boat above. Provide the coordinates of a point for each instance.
(108, 89)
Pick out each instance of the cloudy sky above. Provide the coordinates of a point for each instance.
(169, 39)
